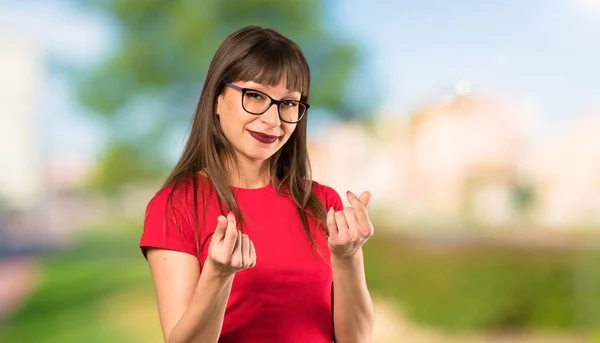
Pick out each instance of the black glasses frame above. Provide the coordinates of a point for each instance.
(273, 101)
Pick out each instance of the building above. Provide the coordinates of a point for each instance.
(453, 162)
(566, 169)
(21, 174)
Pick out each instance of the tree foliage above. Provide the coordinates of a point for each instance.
(148, 87)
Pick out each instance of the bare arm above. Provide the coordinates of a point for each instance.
(191, 306)
(191, 303)
(353, 312)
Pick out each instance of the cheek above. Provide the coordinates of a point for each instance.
(288, 129)
(234, 121)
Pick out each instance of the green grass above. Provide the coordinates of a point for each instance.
(69, 305)
(480, 288)
(488, 288)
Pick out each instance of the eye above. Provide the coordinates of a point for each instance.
(254, 95)
(290, 103)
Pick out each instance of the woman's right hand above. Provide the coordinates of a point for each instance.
(230, 251)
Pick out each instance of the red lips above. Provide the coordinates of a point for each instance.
(263, 138)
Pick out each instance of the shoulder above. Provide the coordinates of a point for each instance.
(322, 190)
(172, 204)
(177, 195)
(328, 196)
(166, 204)
(169, 218)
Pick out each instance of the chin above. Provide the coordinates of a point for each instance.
(260, 155)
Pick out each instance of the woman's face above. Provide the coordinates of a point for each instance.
(254, 137)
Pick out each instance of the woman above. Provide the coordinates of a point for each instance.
(239, 241)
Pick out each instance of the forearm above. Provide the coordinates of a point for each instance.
(203, 320)
(353, 312)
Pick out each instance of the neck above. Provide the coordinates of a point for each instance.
(247, 174)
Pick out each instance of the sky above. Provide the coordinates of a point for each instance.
(541, 54)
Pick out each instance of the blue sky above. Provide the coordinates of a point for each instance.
(544, 52)
(539, 53)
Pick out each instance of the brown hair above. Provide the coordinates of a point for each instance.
(264, 56)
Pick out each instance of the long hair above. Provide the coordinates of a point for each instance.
(264, 56)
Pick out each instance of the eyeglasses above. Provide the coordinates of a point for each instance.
(256, 102)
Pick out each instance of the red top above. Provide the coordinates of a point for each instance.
(287, 296)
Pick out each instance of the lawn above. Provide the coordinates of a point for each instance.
(100, 291)
(487, 287)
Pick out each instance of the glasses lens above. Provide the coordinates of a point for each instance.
(291, 110)
(255, 102)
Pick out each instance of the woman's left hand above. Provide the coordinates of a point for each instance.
(351, 228)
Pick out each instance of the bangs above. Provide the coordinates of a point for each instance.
(270, 61)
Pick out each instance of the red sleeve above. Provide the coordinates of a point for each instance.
(167, 225)
(332, 199)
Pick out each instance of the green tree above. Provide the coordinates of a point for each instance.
(147, 89)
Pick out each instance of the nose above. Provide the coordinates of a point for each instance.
(271, 117)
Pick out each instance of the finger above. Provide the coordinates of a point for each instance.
(331, 226)
(221, 228)
(342, 226)
(359, 207)
(236, 256)
(365, 198)
(231, 234)
(252, 255)
(353, 225)
(245, 250)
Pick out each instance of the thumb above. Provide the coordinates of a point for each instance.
(221, 228)
(365, 198)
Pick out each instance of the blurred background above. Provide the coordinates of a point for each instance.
(473, 123)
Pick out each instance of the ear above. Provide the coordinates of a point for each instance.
(219, 99)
